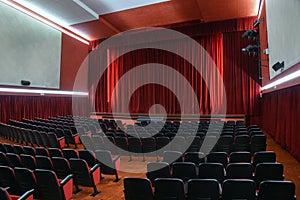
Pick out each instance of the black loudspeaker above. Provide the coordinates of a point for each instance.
(25, 83)
(278, 66)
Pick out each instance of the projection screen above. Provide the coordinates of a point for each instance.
(29, 50)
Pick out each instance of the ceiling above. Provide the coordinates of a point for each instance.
(98, 19)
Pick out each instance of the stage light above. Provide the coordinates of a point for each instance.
(250, 34)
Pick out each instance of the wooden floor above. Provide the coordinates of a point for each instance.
(114, 191)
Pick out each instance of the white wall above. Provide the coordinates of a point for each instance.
(29, 50)
(283, 19)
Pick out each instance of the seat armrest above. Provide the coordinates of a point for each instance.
(60, 138)
(27, 195)
(66, 180)
(116, 158)
(95, 167)
(66, 187)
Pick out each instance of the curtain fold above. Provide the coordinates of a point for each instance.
(279, 115)
(18, 107)
(239, 74)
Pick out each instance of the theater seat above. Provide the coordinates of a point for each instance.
(137, 188)
(50, 187)
(84, 175)
(4, 195)
(109, 165)
(277, 190)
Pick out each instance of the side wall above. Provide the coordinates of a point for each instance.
(18, 107)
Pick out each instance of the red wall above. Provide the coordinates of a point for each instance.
(73, 54)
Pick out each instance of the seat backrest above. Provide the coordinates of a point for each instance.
(225, 143)
(41, 151)
(28, 161)
(48, 185)
(137, 188)
(172, 156)
(45, 139)
(258, 143)
(184, 170)
(239, 171)
(44, 162)
(263, 157)
(277, 190)
(105, 158)
(3, 159)
(29, 150)
(18, 149)
(178, 143)
(238, 189)
(55, 152)
(158, 170)
(194, 157)
(8, 179)
(268, 171)
(134, 145)
(169, 188)
(217, 157)
(61, 167)
(212, 171)
(238, 157)
(211, 191)
(54, 143)
(148, 144)
(70, 153)
(13, 160)
(26, 180)
(80, 170)
(88, 156)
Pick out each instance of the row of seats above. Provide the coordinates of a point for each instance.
(172, 188)
(45, 183)
(220, 157)
(186, 171)
(34, 158)
(51, 138)
(160, 144)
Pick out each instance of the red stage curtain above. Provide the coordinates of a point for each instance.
(18, 107)
(223, 43)
(240, 76)
(280, 118)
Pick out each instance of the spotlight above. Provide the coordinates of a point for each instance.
(278, 66)
(250, 48)
(250, 34)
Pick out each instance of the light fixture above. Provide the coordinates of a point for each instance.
(278, 66)
(282, 80)
(61, 27)
(250, 34)
(42, 92)
(250, 48)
